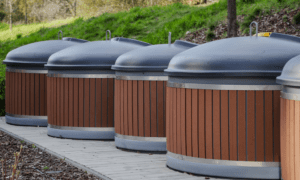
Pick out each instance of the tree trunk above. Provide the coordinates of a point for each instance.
(10, 14)
(231, 17)
(25, 11)
(75, 7)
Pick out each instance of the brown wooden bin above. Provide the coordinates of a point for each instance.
(290, 120)
(26, 82)
(81, 89)
(140, 96)
(223, 107)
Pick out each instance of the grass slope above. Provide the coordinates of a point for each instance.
(150, 24)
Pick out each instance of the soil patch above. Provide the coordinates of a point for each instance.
(34, 163)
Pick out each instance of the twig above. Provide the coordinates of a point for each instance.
(41, 172)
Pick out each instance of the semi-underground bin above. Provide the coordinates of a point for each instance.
(290, 119)
(223, 107)
(81, 89)
(26, 83)
(140, 96)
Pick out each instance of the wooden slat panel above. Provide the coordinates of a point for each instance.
(297, 139)
(276, 110)
(117, 106)
(141, 107)
(216, 125)
(27, 99)
(182, 121)
(135, 108)
(287, 135)
(147, 108)
(19, 93)
(292, 139)
(130, 119)
(92, 102)
(6, 91)
(81, 101)
(242, 126)
(259, 126)
(45, 93)
(201, 124)
(16, 93)
(42, 95)
(188, 111)
(160, 109)
(178, 128)
(153, 113)
(32, 94)
(76, 102)
(165, 103)
(125, 124)
(61, 92)
(55, 106)
(66, 102)
(171, 119)
(98, 102)
(208, 124)
(268, 126)
(59, 105)
(71, 102)
(23, 94)
(168, 100)
(104, 102)
(233, 125)
(195, 135)
(224, 125)
(250, 126)
(86, 121)
(283, 138)
(36, 94)
(50, 99)
(174, 120)
(110, 107)
(122, 107)
(13, 94)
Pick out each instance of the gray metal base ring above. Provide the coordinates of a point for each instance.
(26, 121)
(222, 170)
(140, 145)
(79, 134)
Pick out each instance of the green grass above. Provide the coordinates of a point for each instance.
(150, 24)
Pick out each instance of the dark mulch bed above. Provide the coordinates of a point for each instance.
(35, 163)
(281, 22)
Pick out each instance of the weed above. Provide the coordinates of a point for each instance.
(285, 18)
(46, 168)
(296, 19)
(22, 141)
(33, 146)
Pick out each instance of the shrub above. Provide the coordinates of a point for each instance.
(19, 36)
(210, 35)
(296, 19)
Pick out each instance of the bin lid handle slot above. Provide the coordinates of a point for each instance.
(253, 22)
(109, 35)
(60, 32)
(169, 38)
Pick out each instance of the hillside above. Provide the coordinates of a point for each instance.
(193, 23)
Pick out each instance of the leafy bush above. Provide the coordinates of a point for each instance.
(19, 36)
(210, 35)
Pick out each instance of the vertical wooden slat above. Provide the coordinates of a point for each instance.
(23, 94)
(6, 91)
(32, 94)
(81, 102)
(92, 102)
(98, 102)
(297, 139)
(268, 126)
(259, 125)
(276, 110)
(86, 122)
(66, 102)
(242, 126)
(188, 111)
(182, 121)
(178, 128)
(283, 138)
(42, 95)
(59, 105)
(201, 124)
(292, 139)
(135, 108)
(153, 109)
(130, 119)
(12, 95)
(110, 106)
(171, 119)
(250, 126)
(76, 102)
(27, 99)
(19, 93)
(55, 106)
(216, 125)
(167, 118)
(287, 135)
(147, 108)
(141, 107)
(104, 102)
(224, 125)
(174, 120)
(122, 107)
(117, 106)
(71, 101)
(195, 135)
(37, 94)
(125, 124)
(50, 100)
(16, 94)
(233, 125)
(45, 92)
(165, 103)
(62, 94)
(160, 109)
(208, 124)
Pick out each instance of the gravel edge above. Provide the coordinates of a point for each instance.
(73, 163)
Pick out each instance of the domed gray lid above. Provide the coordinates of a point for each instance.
(151, 58)
(74, 40)
(291, 73)
(240, 56)
(97, 55)
(37, 54)
(285, 37)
